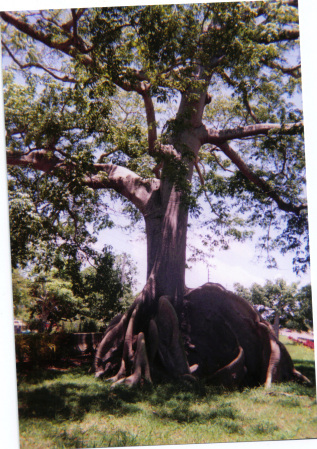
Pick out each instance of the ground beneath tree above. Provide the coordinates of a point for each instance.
(66, 364)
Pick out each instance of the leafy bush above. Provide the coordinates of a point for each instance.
(44, 347)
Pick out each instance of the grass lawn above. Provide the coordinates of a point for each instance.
(72, 409)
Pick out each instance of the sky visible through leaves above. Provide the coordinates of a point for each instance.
(238, 264)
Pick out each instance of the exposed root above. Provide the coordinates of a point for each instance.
(219, 328)
(141, 367)
(275, 358)
(128, 354)
(110, 346)
(231, 375)
(170, 345)
(161, 344)
(300, 377)
(272, 355)
(153, 340)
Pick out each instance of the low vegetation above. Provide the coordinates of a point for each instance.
(71, 409)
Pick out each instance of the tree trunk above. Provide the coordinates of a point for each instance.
(166, 237)
(174, 332)
(171, 331)
(276, 324)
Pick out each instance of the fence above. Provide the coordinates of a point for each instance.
(54, 347)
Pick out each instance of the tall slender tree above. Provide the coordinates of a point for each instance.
(164, 106)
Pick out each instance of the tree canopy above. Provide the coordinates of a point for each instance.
(102, 101)
(178, 111)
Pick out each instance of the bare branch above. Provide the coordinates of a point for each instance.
(212, 151)
(68, 25)
(104, 155)
(202, 182)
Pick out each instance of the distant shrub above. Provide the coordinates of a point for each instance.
(89, 326)
(43, 347)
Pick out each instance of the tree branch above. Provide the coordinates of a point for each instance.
(103, 176)
(283, 35)
(293, 3)
(37, 159)
(66, 47)
(292, 71)
(50, 71)
(202, 182)
(212, 151)
(103, 155)
(259, 182)
(244, 95)
(68, 25)
(75, 35)
(127, 183)
(216, 137)
(151, 122)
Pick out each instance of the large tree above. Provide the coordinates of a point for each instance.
(165, 107)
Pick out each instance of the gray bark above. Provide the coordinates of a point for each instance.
(276, 324)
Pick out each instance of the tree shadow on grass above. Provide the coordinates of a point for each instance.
(307, 368)
(182, 413)
(37, 375)
(194, 403)
(117, 438)
(62, 400)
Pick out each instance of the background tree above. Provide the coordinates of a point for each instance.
(107, 287)
(21, 296)
(53, 302)
(303, 316)
(46, 300)
(282, 304)
(226, 76)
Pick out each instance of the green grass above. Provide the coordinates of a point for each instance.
(72, 409)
